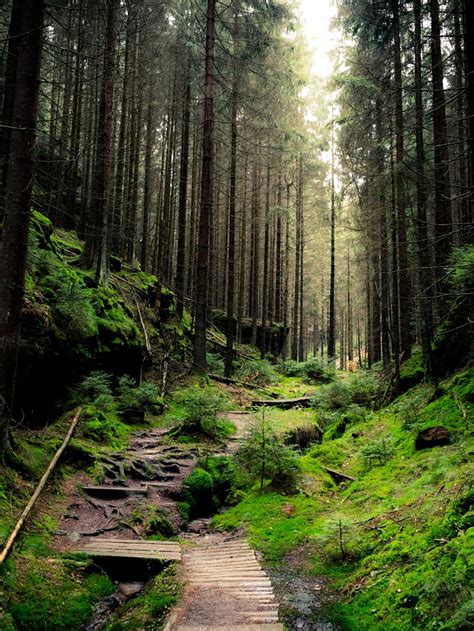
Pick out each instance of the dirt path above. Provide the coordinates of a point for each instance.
(148, 464)
(242, 422)
(225, 586)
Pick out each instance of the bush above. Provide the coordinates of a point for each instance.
(97, 384)
(316, 370)
(291, 368)
(379, 450)
(215, 364)
(198, 493)
(199, 411)
(303, 436)
(256, 371)
(364, 387)
(135, 401)
(333, 396)
(263, 456)
(225, 478)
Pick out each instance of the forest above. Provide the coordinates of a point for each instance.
(236, 315)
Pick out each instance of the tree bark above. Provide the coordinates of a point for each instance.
(206, 195)
(19, 181)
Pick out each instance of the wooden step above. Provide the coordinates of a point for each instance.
(233, 627)
(115, 490)
(133, 549)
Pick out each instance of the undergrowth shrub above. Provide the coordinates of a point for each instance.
(361, 389)
(263, 456)
(303, 436)
(198, 493)
(365, 387)
(135, 401)
(226, 478)
(291, 368)
(378, 451)
(96, 384)
(333, 396)
(199, 408)
(341, 538)
(314, 369)
(256, 371)
(215, 363)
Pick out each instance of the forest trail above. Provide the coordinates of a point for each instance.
(242, 421)
(225, 587)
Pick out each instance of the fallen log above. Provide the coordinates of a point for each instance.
(236, 382)
(285, 404)
(12, 538)
(338, 474)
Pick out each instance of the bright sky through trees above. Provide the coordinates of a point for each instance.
(316, 18)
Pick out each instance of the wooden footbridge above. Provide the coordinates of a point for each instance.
(225, 588)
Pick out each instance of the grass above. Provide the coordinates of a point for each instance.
(408, 517)
(149, 609)
(284, 420)
(292, 387)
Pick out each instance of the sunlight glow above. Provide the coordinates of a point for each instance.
(316, 16)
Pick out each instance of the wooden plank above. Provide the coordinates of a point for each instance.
(161, 542)
(133, 545)
(115, 490)
(130, 554)
(233, 627)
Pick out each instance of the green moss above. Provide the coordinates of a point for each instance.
(411, 371)
(148, 610)
(408, 515)
(47, 595)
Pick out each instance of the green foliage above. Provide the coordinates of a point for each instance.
(215, 364)
(103, 426)
(378, 450)
(365, 387)
(198, 412)
(314, 370)
(256, 371)
(136, 401)
(226, 478)
(333, 396)
(264, 457)
(291, 368)
(198, 493)
(149, 609)
(362, 388)
(412, 371)
(63, 297)
(154, 521)
(48, 596)
(96, 384)
(340, 537)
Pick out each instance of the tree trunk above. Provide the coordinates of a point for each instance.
(469, 59)
(183, 188)
(331, 351)
(14, 247)
(229, 353)
(422, 238)
(442, 188)
(206, 195)
(404, 273)
(14, 38)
